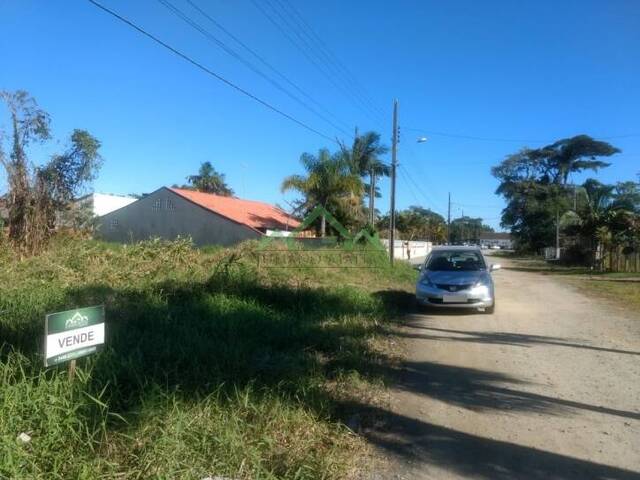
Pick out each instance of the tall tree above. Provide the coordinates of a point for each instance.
(328, 182)
(364, 160)
(534, 183)
(209, 180)
(607, 214)
(576, 154)
(29, 123)
(38, 193)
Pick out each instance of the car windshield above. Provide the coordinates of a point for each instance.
(452, 260)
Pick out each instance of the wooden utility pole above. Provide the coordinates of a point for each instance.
(557, 233)
(449, 221)
(372, 195)
(394, 163)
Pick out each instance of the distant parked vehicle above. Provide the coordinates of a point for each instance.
(456, 277)
(495, 247)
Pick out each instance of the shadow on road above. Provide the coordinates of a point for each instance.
(502, 338)
(478, 457)
(477, 390)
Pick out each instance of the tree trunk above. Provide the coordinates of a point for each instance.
(323, 226)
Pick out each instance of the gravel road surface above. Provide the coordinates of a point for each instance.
(546, 388)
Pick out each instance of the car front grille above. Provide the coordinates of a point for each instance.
(453, 288)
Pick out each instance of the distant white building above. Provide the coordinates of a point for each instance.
(102, 203)
(499, 239)
(408, 249)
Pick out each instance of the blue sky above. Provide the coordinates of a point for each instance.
(523, 73)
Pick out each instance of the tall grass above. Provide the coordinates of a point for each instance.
(211, 366)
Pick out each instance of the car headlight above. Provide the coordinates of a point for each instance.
(481, 286)
(426, 282)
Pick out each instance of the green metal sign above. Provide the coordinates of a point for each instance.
(73, 334)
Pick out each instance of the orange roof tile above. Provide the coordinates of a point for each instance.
(257, 215)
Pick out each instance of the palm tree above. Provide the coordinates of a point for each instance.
(601, 219)
(328, 182)
(364, 160)
(209, 180)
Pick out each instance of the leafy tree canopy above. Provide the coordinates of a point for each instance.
(209, 180)
(535, 184)
(328, 181)
(38, 194)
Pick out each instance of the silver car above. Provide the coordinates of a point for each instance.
(456, 277)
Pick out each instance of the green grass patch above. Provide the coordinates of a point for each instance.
(622, 288)
(212, 365)
(617, 290)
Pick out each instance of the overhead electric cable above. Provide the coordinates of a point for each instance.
(262, 60)
(306, 54)
(323, 51)
(429, 202)
(209, 71)
(212, 38)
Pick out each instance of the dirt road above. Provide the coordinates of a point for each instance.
(546, 388)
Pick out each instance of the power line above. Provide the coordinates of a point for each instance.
(210, 72)
(411, 190)
(212, 38)
(429, 203)
(302, 50)
(324, 50)
(301, 44)
(262, 60)
(424, 177)
(301, 33)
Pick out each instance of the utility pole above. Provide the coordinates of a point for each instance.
(557, 233)
(449, 221)
(394, 163)
(372, 194)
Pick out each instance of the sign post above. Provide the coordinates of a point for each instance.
(73, 334)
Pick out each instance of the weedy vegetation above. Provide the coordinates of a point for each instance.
(211, 367)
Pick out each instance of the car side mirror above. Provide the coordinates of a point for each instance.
(418, 267)
(494, 267)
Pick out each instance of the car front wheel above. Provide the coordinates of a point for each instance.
(491, 309)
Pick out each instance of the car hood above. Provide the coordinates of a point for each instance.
(456, 278)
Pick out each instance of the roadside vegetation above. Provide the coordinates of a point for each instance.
(211, 367)
(592, 220)
(621, 288)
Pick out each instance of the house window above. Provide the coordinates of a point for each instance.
(157, 205)
(170, 205)
(114, 223)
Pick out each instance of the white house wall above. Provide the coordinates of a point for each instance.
(103, 203)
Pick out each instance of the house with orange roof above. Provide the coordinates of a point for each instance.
(208, 219)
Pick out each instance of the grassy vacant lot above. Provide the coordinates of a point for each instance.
(212, 366)
(621, 288)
